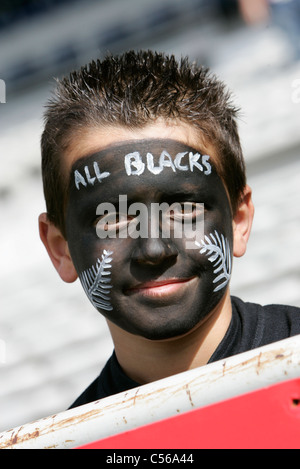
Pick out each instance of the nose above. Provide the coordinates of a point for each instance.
(154, 251)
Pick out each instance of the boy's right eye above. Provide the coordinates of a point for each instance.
(112, 222)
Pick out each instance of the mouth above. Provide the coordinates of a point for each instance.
(161, 288)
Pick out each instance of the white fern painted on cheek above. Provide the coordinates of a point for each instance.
(96, 282)
(220, 256)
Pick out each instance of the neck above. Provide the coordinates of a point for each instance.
(159, 359)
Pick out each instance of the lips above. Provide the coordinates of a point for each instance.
(160, 288)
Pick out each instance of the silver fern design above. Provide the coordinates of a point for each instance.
(96, 282)
(220, 256)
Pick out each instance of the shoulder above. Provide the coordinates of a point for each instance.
(272, 322)
(96, 390)
(270, 309)
(112, 380)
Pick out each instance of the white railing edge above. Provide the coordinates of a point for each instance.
(161, 399)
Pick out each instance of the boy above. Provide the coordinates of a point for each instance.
(124, 137)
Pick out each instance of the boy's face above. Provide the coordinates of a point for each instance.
(155, 276)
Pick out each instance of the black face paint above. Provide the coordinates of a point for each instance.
(151, 286)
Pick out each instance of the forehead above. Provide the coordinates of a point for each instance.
(92, 140)
(138, 164)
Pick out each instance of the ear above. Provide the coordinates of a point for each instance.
(57, 248)
(242, 223)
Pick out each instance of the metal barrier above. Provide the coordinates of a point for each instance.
(162, 399)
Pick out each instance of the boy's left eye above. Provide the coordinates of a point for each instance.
(187, 211)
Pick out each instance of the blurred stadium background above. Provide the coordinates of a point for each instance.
(53, 343)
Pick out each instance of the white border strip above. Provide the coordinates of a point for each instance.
(212, 383)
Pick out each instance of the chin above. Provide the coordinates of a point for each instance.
(159, 322)
(167, 332)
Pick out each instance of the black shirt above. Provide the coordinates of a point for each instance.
(251, 326)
